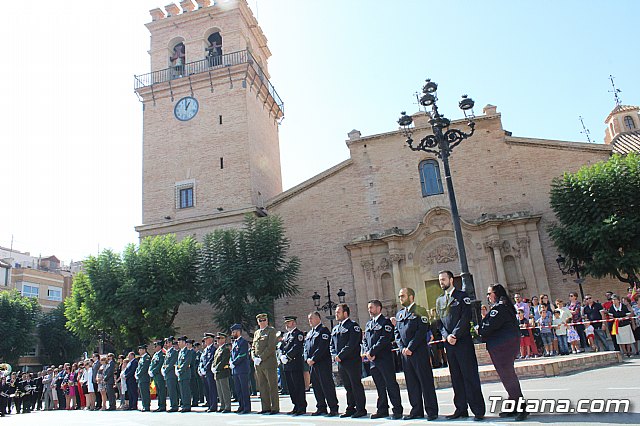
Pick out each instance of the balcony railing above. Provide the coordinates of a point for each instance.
(208, 64)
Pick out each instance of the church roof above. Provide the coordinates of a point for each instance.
(621, 108)
(627, 142)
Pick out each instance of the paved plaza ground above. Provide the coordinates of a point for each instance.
(619, 381)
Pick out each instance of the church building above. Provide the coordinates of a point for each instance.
(374, 223)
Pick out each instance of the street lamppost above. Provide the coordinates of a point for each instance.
(441, 143)
(330, 306)
(574, 267)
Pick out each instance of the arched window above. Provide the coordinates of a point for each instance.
(628, 122)
(178, 58)
(430, 179)
(214, 50)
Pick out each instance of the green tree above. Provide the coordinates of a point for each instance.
(59, 345)
(599, 217)
(244, 271)
(18, 315)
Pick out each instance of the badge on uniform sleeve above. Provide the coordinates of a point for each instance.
(493, 313)
(300, 337)
(387, 328)
(356, 328)
(425, 320)
(467, 300)
(454, 302)
(325, 336)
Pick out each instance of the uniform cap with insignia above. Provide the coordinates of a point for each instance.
(143, 346)
(183, 338)
(169, 339)
(261, 316)
(221, 334)
(290, 318)
(197, 344)
(236, 327)
(158, 343)
(211, 335)
(190, 341)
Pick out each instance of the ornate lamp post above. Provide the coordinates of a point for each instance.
(573, 267)
(330, 306)
(441, 143)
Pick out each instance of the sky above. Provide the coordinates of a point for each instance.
(71, 140)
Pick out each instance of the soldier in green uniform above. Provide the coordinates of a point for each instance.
(169, 373)
(183, 371)
(264, 358)
(222, 372)
(156, 375)
(194, 372)
(142, 377)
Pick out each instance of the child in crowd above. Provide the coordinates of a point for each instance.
(526, 337)
(545, 322)
(573, 338)
(591, 338)
(561, 332)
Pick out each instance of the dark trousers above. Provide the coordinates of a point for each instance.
(185, 394)
(132, 389)
(295, 383)
(98, 396)
(384, 377)
(465, 379)
(212, 391)
(18, 403)
(503, 357)
(161, 391)
(350, 373)
(583, 337)
(419, 379)
(172, 391)
(111, 395)
(62, 402)
(324, 388)
(241, 385)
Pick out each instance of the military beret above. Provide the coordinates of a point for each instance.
(183, 338)
(236, 327)
(143, 346)
(261, 316)
(211, 335)
(290, 318)
(221, 334)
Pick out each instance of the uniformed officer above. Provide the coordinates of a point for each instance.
(157, 360)
(346, 339)
(318, 357)
(183, 371)
(501, 331)
(195, 360)
(169, 373)
(412, 323)
(204, 370)
(292, 350)
(197, 346)
(239, 363)
(378, 338)
(264, 358)
(454, 310)
(142, 377)
(222, 372)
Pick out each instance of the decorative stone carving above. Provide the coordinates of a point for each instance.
(523, 245)
(440, 220)
(444, 253)
(490, 245)
(384, 265)
(398, 257)
(506, 246)
(367, 265)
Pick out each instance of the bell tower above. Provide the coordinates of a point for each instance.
(210, 119)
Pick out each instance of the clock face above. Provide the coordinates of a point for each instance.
(186, 108)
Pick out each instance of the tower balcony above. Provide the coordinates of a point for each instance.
(214, 67)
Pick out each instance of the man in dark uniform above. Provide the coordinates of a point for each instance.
(142, 377)
(154, 373)
(346, 338)
(293, 364)
(378, 336)
(412, 324)
(110, 380)
(183, 371)
(197, 346)
(454, 310)
(239, 363)
(169, 373)
(204, 370)
(132, 385)
(318, 356)
(195, 396)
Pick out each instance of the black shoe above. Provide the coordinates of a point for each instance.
(264, 412)
(379, 415)
(432, 417)
(333, 414)
(521, 416)
(505, 414)
(457, 415)
(292, 412)
(172, 410)
(478, 418)
(347, 414)
(185, 410)
(413, 417)
(359, 414)
(225, 411)
(319, 413)
(396, 416)
(272, 412)
(300, 413)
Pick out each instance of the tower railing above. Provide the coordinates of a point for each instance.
(207, 64)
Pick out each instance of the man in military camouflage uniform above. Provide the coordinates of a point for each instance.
(222, 372)
(264, 358)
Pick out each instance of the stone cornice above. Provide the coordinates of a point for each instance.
(557, 144)
(196, 220)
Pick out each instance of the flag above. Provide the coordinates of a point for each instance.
(614, 329)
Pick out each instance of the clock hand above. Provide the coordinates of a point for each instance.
(186, 105)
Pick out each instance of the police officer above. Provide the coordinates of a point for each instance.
(292, 350)
(204, 370)
(454, 310)
(142, 377)
(501, 331)
(183, 372)
(346, 338)
(264, 358)
(157, 360)
(318, 357)
(378, 336)
(239, 363)
(412, 324)
(195, 360)
(169, 373)
(222, 372)
(197, 346)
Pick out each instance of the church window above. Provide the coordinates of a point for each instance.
(186, 198)
(185, 194)
(430, 179)
(178, 58)
(214, 49)
(628, 123)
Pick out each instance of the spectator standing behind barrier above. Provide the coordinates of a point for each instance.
(592, 312)
(500, 330)
(622, 326)
(561, 332)
(526, 338)
(607, 305)
(576, 317)
(546, 330)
